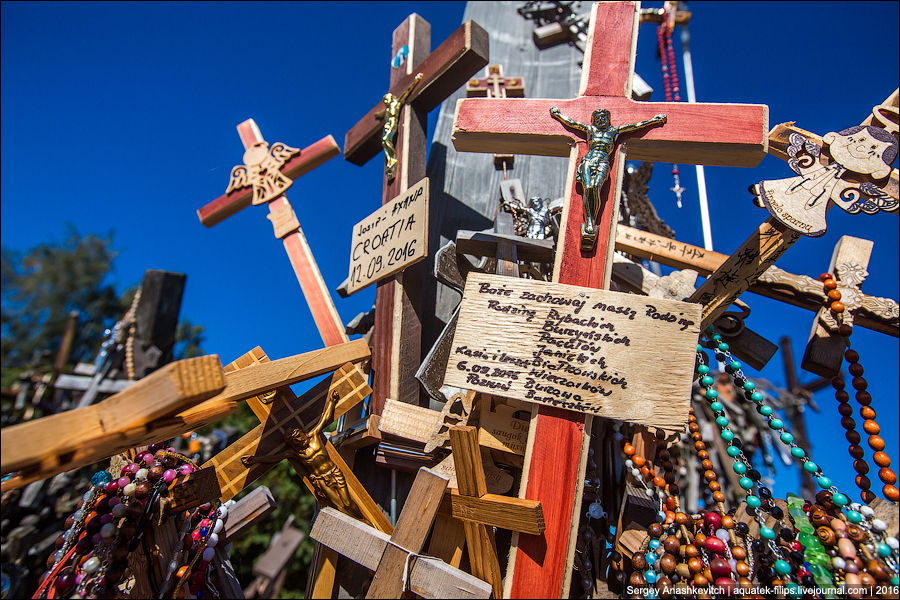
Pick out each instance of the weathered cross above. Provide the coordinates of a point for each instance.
(287, 227)
(395, 559)
(397, 337)
(714, 134)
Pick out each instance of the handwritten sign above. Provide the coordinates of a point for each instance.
(615, 355)
(392, 238)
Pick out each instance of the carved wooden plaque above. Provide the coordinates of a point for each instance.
(620, 356)
(392, 238)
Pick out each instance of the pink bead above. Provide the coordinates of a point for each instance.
(107, 518)
(185, 469)
(78, 578)
(715, 545)
(148, 459)
(168, 475)
(171, 449)
(123, 481)
(112, 487)
(133, 467)
(196, 535)
(205, 523)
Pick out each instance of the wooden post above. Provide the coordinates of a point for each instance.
(288, 228)
(397, 337)
(733, 135)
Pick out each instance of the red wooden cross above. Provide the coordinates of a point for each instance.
(396, 352)
(712, 134)
(317, 295)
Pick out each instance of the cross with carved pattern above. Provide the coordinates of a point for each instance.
(398, 303)
(495, 85)
(712, 134)
(287, 227)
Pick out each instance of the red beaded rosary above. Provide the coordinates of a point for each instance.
(876, 442)
(670, 82)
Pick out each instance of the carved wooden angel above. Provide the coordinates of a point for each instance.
(800, 202)
(262, 170)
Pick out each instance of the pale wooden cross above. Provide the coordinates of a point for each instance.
(287, 227)
(495, 85)
(397, 336)
(714, 134)
(395, 559)
(825, 350)
(868, 178)
(796, 290)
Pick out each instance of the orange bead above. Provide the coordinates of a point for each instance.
(670, 503)
(703, 455)
(670, 517)
(718, 496)
(628, 449)
(829, 284)
(871, 427)
(659, 481)
(182, 572)
(727, 522)
(876, 443)
(891, 493)
(695, 565)
(834, 294)
(887, 476)
(638, 460)
(714, 486)
(867, 412)
(710, 475)
(837, 307)
(742, 569)
(738, 553)
(645, 471)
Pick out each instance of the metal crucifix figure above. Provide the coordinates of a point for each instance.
(593, 169)
(391, 116)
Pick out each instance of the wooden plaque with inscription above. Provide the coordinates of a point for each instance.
(615, 355)
(392, 238)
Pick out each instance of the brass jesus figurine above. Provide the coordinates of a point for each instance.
(391, 116)
(310, 449)
(593, 170)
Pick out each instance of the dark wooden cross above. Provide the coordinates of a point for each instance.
(287, 227)
(713, 134)
(397, 337)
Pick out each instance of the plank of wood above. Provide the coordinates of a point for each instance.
(504, 512)
(279, 553)
(246, 513)
(448, 539)
(577, 348)
(428, 578)
(824, 352)
(227, 580)
(409, 534)
(324, 572)
(257, 379)
(408, 421)
(164, 393)
(389, 240)
(309, 158)
(480, 541)
(501, 430)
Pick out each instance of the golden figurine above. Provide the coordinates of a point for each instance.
(310, 449)
(391, 116)
(593, 169)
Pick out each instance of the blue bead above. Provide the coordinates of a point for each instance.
(767, 533)
(736, 365)
(723, 346)
(707, 381)
(654, 544)
(710, 328)
(798, 452)
(651, 576)
(733, 451)
(722, 421)
(765, 410)
(716, 337)
(854, 517)
(746, 483)
(712, 394)
(776, 424)
(810, 467)
(739, 468)
(753, 502)
(749, 386)
(840, 499)
(651, 558)
(787, 438)
(884, 550)
(727, 435)
(824, 482)
(783, 567)
(756, 397)
(699, 348)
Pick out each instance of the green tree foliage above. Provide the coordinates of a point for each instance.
(41, 288)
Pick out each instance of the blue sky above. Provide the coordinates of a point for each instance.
(121, 116)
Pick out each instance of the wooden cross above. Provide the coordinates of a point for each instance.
(796, 209)
(397, 337)
(287, 227)
(714, 134)
(796, 290)
(495, 85)
(825, 350)
(395, 559)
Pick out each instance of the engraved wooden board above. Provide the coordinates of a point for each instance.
(598, 352)
(392, 238)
